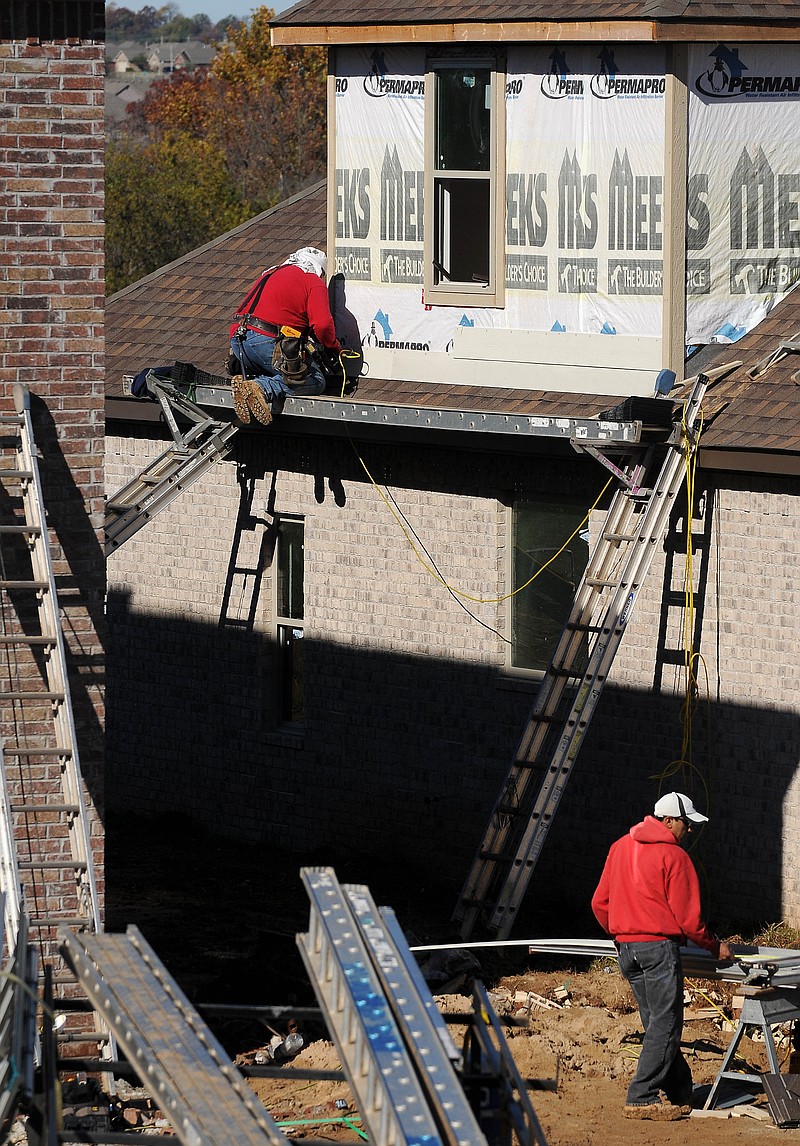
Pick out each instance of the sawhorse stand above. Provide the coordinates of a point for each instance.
(763, 1007)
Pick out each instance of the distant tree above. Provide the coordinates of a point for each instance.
(164, 199)
(224, 27)
(123, 24)
(263, 107)
(185, 27)
(167, 22)
(208, 149)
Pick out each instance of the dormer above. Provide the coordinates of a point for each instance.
(567, 201)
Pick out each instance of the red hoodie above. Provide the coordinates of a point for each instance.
(293, 297)
(649, 890)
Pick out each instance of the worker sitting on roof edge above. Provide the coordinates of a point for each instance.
(270, 330)
(648, 899)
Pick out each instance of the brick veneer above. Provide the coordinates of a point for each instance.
(51, 232)
(411, 721)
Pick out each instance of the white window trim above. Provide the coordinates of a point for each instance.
(469, 294)
(283, 622)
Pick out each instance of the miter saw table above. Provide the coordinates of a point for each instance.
(764, 1006)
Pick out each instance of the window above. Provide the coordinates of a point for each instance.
(289, 608)
(465, 146)
(538, 612)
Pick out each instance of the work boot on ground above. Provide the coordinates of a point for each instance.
(656, 1112)
(257, 401)
(239, 392)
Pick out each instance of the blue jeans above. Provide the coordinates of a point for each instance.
(654, 972)
(254, 354)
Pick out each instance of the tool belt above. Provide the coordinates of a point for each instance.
(258, 324)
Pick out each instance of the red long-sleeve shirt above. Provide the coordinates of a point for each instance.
(294, 297)
(649, 890)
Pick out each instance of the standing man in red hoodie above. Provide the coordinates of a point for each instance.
(648, 899)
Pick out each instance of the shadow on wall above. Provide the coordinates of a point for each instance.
(404, 756)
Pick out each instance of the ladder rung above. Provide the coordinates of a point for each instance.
(119, 506)
(78, 1037)
(34, 809)
(24, 584)
(619, 536)
(60, 921)
(673, 656)
(15, 475)
(35, 530)
(31, 696)
(11, 420)
(509, 809)
(599, 583)
(52, 865)
(57, 750)
(21, 640)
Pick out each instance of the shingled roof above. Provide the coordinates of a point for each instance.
(182, 313)
(659, 19)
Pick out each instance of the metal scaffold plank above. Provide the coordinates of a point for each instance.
(166, 1041)
(378, 1066)
(423, 1029)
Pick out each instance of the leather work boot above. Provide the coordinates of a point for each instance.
(239, 392)
(656, 1112)
(257, 401)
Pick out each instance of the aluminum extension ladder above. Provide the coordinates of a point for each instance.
(189, 456)
(46, 863)
(569, 692)
(393, 1044)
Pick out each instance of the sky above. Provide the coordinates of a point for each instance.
(214, 9)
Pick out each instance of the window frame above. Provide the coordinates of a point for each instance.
(511, 670)
(457, 293)
(283, 625)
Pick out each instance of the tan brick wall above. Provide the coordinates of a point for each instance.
(51, 223)
(411, 721)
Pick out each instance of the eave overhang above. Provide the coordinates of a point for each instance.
(601, 31)
(470, 429)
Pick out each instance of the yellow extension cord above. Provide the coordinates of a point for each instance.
(433, 572)
(684, 765)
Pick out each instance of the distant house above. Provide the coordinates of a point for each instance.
(162, 58)
(188, 55)
(331, 638)
(120, 58)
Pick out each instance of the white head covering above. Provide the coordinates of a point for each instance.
(309, 259)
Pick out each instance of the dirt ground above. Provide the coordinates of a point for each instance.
(589, 1045)
(224, 917)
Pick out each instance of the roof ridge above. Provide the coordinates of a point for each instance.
(224, 237)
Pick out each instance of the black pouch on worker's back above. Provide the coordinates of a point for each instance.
(290, 359)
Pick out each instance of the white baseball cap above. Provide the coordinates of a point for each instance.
(678, 806)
